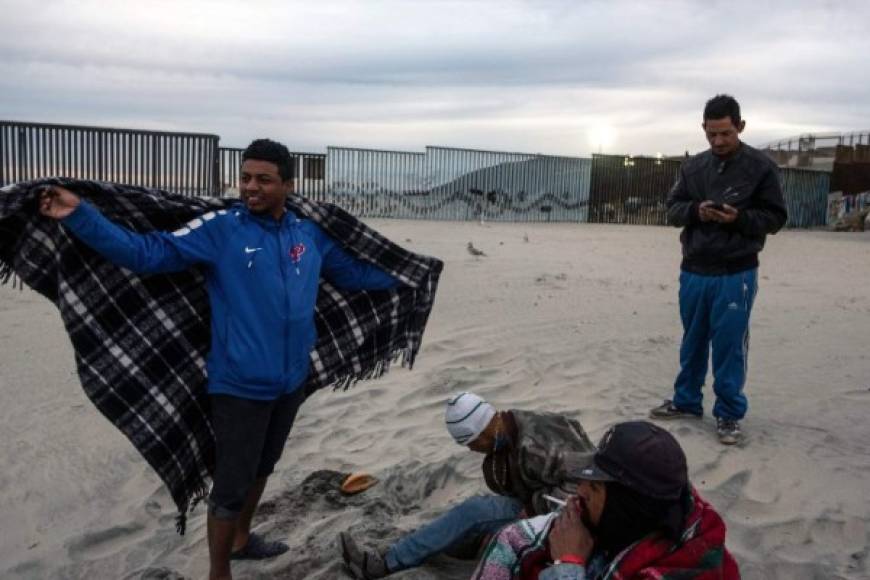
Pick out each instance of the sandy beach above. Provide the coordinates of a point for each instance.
(579, 319)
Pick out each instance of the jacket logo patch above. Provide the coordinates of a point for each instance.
(296, 252)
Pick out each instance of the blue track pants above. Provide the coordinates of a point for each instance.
(715, 311)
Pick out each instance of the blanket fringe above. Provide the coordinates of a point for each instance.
(188, 506)
(5, 272)
(375, 371)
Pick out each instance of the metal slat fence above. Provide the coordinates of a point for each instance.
(307, 172)
(633, 190)
(177, 162)
(441, 183)
(458, 184)
(806, 196)
(375, 183)
(516, 187)
(630, 190)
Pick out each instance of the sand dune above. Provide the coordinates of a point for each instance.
(580, 319)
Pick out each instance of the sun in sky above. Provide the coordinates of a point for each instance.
(602, 138)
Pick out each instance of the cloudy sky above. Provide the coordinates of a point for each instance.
(549, 76)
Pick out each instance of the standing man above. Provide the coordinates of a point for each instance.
(726, 199)
(262, 265)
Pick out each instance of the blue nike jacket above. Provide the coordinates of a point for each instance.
(262, 278)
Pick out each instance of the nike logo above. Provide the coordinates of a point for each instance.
(251, 250)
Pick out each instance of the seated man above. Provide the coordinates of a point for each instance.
(635, 516)
(523, 462)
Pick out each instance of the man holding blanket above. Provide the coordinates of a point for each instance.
(262, 265)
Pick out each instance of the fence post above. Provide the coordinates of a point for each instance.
(20, 149)
(154, 158)
(215, 188)
(99, 147)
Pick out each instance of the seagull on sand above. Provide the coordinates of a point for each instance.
(474, 251)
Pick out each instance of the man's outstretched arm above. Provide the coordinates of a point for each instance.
(350, 273)
(194, 243)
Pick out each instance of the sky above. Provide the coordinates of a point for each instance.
(569, 77)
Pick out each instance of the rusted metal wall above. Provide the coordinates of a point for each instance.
(630, 190)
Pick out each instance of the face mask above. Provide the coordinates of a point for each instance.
(501, 441)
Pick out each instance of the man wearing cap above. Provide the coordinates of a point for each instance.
(634, 515)
(525, 454)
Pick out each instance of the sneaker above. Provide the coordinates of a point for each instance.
(363, 564)
(728, 431)
(259, 548)
(668, 410)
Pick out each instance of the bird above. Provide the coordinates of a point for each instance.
(474, 251)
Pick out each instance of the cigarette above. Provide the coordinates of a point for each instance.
(557, 501)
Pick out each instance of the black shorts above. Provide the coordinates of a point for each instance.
(250, 437)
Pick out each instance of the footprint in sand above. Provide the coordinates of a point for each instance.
(552, 281)
(858, 394)
(155, 574)
(103, 543)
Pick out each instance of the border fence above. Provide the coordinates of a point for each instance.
(179, 162)
(851, 172)
(806, 196)
(307, 172)
(441, 183)
(458, 184)
(630, 190)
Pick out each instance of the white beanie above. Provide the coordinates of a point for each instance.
(467, 416)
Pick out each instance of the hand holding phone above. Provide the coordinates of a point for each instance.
(717, 212)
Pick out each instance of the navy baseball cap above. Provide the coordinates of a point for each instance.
(641, 456)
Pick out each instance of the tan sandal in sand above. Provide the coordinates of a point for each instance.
(357, 482)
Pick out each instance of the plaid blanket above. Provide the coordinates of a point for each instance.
(521, 552)
(141, 341)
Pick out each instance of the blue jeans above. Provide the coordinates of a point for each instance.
(474, 516)
(715, 310)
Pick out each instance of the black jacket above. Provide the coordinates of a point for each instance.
(748, 181)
